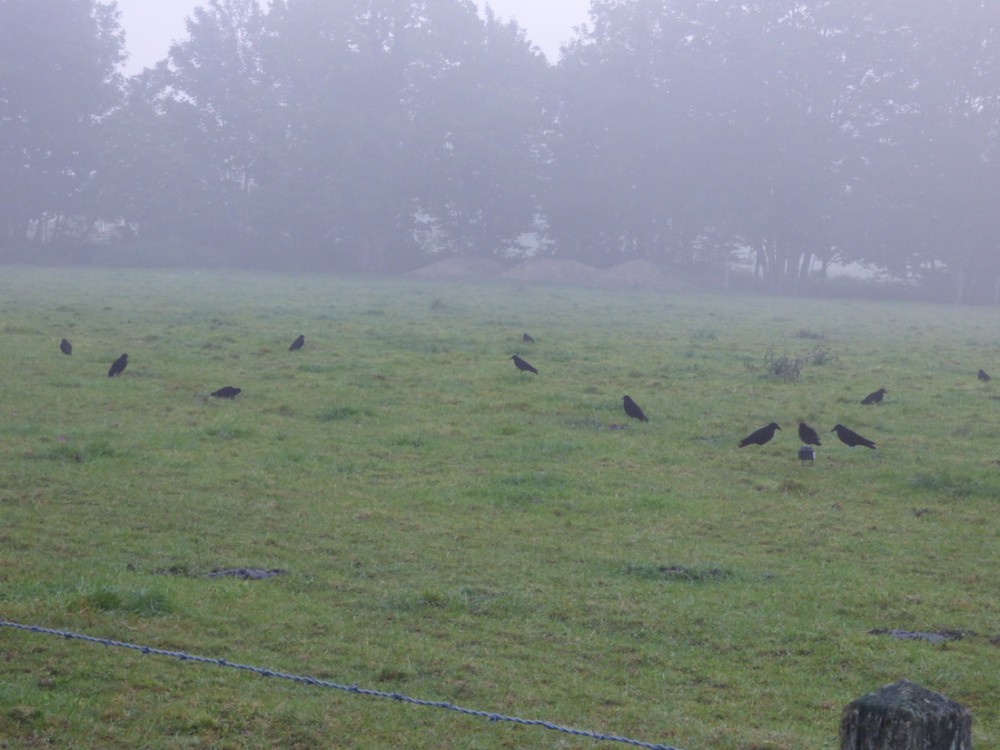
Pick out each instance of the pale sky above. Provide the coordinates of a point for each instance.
(151, 26)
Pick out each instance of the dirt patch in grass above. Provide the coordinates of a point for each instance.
(247, 574)
(939, 636)
(675, 572)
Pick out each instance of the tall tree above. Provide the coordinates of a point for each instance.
(157, 181)
(214, 96)
(342, 190)
(685, 121)
(933, 109)
(59, 76)
(780, 77)
(341, 135)
(480, 116)
(631, 145)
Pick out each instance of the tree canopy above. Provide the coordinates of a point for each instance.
(59, 76)
(372, 135)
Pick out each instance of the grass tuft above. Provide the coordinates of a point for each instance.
(340, 413)
(140, 602)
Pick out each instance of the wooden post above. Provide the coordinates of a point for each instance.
(905, 716)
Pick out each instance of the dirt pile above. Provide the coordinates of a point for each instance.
(632, 274)
(459, 268)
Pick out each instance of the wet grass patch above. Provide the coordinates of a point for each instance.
(479, 534)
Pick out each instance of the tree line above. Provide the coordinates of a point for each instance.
(373, 135)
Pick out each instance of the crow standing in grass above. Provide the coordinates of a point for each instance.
(297, 344)
(982, 376)
(67, 348)
(850, 437)
(523, 365)
(807, 434)
(632, 409)
(227, 391)
(874, 398)
(118, 366)
(527, 339)
(761, 436)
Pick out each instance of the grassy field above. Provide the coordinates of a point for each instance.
(455, 530)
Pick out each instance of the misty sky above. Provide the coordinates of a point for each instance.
(151, 26)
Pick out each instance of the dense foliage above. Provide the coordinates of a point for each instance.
(367, 134)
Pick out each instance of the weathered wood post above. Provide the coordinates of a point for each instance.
(905, 716)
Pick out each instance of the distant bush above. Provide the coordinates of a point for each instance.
(784, 368)
(806, 333)
(821, 355)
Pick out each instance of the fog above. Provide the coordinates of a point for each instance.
(150, 28)
(715, 145)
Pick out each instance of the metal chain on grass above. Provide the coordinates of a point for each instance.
(304, 680)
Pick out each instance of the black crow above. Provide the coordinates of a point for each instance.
(761, 436)
(228, 391)
(807, 434)
(523, 365)
(67, 348)
(297, 344)
(633, 410)
(850, 437)
(118, 366)
(526, 338)
(874, 398)
(982, 376)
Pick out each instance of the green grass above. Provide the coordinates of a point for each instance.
(453, 529)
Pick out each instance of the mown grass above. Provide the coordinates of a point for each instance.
(453, 529)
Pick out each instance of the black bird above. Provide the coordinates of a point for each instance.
(807, 434)
(982, 375)
(118, 366)
(874, 398)
(67, 348)
(523, 365)
(850, 437)
(761, 436)
(298, 343)
(633, 410)
(526, 338)
(228, 391)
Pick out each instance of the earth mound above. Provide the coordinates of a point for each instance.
(458, 268)
(554, 271)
